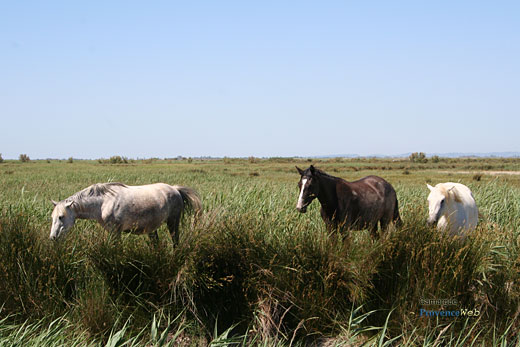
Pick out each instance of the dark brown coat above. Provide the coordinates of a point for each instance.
(349, 205)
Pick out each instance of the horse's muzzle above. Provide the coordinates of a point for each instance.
(302, 209)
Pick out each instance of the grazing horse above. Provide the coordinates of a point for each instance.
(452, 207)
(358, 205)
(118, 207)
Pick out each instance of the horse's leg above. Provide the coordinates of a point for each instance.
(388, 219)
(114, 229)
(115, 234)
(385, 222)
(173, 226)
(154, 237)
(331, 223)
(373, 229)
(390, 216)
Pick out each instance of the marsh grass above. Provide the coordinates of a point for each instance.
(250, 270)
(36, 279)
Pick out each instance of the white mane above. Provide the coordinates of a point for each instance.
(97, 189)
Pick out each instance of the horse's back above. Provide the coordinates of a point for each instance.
(375, 198)
(145, 206)
(157, 191)
(374, 184)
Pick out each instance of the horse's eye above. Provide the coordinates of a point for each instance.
(60, 217)
(442, 202)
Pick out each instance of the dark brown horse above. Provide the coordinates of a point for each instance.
(349, 205)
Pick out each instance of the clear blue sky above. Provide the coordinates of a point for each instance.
(92, 79)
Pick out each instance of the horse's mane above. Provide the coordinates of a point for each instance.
(97, 189)
(324, 174)
(450, 193)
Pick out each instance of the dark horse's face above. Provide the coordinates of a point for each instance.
(308, 186)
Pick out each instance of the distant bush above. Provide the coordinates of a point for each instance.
(418, 157)
(1, 159)
(435, 159)
(116, 159)
(24, 158)
(70, 160)
(252, 160)
(477, 177)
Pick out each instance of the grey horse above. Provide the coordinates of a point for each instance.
(118, 207)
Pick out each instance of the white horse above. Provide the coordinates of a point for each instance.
(118, 207)
(452, 207)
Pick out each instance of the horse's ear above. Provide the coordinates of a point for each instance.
(69, 204)
(300, 171)
(54, 202)
(429, 187)
(313, 170)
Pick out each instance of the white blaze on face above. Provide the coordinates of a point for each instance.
(300, 198)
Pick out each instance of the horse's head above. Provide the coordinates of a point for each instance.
(308, 186)
(436, 203)
(63, 217)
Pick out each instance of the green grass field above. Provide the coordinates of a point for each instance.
(250, 269)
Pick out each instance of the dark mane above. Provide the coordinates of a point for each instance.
(319, 172)
(324, 174)
(97, 189)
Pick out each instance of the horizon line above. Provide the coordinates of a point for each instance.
(505, 155)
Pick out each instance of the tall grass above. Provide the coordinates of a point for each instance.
(250, 270)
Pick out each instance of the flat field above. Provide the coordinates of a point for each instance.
(251, 269)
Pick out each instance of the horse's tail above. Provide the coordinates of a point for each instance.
(397, 218)
(191, 199)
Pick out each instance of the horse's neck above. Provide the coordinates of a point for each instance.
(453, 210)
(328, 196)
(88, 208)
